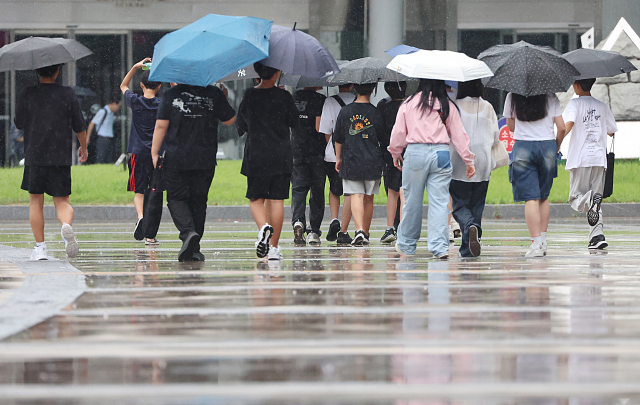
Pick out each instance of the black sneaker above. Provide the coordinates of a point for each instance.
(389, 236)
(360, 239)
(197, 257)
(334, 229)
(189, 246)
(598, 242)
(474, 243)
(138, 232)
(593, 216)
(343, 239)
(298, 234)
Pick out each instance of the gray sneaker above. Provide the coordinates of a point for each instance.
(313, 239)
(298, 234)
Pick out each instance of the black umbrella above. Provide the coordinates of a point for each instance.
(365, 70)
(593, 63)
(298, 81)
(36, 52)
(297, 53)
(527, 69)
(84, 92)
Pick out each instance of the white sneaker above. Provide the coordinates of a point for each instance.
(70, 243)
(39, 253)
(313, 239)
(275, 253)
(262, 244)
(534, 251)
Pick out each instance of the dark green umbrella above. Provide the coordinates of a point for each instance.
(37, 52)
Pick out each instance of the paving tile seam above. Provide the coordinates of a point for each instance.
(297, 391)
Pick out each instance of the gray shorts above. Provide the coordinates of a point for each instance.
(367, 187)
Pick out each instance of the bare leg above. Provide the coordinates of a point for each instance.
(334, 205)
(545, 214)
(63, 209)
(258, 212)
(36, 216)
(138, 202)
(368, 212)
(532, 216)
(346, 214)
(392, 206)
(357, 209)
(275, 217)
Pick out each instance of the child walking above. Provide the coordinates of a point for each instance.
(266, 115)
(359, 159)
(591, 122)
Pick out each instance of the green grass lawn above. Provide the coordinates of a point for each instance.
(107, 185)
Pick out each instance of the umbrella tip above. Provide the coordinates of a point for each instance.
(294, 25)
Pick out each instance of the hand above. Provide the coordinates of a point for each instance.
(141, 63)
(397, 162)
(155, 160)
(82, 155)
(224, 89)
(338, 164)
(471, 170)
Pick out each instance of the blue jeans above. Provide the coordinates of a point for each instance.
(425, 165)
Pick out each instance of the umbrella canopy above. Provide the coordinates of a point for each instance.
(209, 49)
(297, 53)
(365, 70)
(528, 70)
(401, 50)
(440, 65)
(593, 63)
(298, 81)
(36, 52)
(247, 72)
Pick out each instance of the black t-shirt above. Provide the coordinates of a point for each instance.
(266, 115)
(359, 127)
(48, 113)
(144, 111)
(193, 113)
(305, 140)
(389, 111)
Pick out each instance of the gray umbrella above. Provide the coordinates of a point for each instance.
(36, 52)
(299, 82)
(593, 63)
(527, 69)
(365, 70)
(297, 53)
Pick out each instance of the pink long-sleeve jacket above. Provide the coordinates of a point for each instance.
(412, 126)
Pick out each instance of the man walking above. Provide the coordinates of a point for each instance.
(103, 122)
(188, 117)
(48, 113)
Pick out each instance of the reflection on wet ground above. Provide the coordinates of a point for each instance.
(333, 325)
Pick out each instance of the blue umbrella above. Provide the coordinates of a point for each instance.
(299, 54)
(401, 50)
(210, 49)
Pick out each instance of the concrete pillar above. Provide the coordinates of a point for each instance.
(451, 25)
(386, 26)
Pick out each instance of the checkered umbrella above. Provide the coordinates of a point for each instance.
(527, 69)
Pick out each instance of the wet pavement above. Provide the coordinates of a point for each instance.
(327, 325)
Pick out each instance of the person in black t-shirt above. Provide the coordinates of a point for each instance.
(266, 115)
(144, 111)
(392, 176)
(187, 122)
(48, 113)
(359, 128)
(308, 167)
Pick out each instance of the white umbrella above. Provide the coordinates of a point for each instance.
(440, 65)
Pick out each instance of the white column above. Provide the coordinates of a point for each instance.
(386, 26)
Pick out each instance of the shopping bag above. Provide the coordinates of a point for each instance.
(608, 178)
(499, 155)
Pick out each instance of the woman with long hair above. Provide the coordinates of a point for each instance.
(533, 159)
(425, 125)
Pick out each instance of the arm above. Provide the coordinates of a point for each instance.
(562, 130)
(83, 138)
(338, 156)
(90, 130)
(560, 138)
(511, 124)
(460, 139)
(159, 133)
(318, 126)
(398, 139)
(124, 86)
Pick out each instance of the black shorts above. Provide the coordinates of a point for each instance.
(274, 187)
(392, 179)
(52, 180)
(335, 182)
(140, 172)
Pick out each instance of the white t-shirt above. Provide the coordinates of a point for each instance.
(593, 120)
(541, 130)
(106, 128)
(330, 112)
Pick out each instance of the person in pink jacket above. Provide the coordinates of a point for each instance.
(426, 123)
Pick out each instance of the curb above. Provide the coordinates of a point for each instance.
(99, 213)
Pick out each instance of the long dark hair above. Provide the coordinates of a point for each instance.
(429, 90)
(472, 88)
(532, 108)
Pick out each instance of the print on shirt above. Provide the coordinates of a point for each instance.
(302, 107)
(188, 100)
(359, 124)
(592, 127)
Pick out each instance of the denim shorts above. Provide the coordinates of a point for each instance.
(532, 169)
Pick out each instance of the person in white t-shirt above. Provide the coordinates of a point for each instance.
(591, 121)
(325, 125)
(534, 162)
(103, 122)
